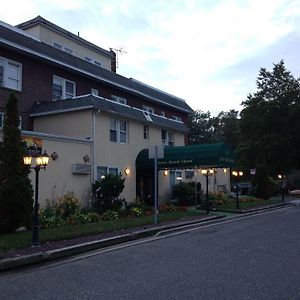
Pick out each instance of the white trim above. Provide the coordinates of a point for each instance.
(61, 111)
(89, 74)
(55, 137)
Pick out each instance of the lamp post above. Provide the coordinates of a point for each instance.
(281, 178)
(41, 162)
(237, 174)
(206, 173)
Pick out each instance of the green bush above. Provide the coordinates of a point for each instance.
(50, 222)
(109, 215)
(106, 192)
(136, 211)
(68, 205)
(93, 217)
(184, 193)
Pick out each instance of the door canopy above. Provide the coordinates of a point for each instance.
(184, 157)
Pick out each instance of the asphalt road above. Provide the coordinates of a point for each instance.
(255, 257)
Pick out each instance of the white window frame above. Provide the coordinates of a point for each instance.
(68, 50)
(95, 92)
(117, 129)
(148, 109)
(107, 170)
(97, 63)
(6, 77)
(167, 138)
(63, 82)
(146, 132)
(1, 119)
(119, 99)
(176, 118)
(174, 174)
(2, 114)
(57, 45)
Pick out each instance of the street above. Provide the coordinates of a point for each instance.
(255, 257)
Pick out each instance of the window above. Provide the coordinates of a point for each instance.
(118, 131)
(68, 50)
(146, 132)
(104, 170)
(167, 138)
(94, 92)
(119, 99)
(10, 74)
(88, 59)
(57, 45)
(148, 109)
(1, 119)
(177, 118)
(97, 63)
(163, 114)
(175, 177)
(62, 88)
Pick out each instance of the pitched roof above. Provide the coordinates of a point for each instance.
(102, 104)
(13, 38)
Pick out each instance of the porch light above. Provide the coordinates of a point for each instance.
(127, 171)
(41, 162)
(237, 174)
(165, 172)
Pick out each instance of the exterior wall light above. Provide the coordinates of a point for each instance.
(237, 174)
(206, 173)
(166, 172)
(41, 162)
(127, 171)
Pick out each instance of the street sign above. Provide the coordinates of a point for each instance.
(160, 152)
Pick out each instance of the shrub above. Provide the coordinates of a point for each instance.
(50, 222)
(106, 192)
(93, 217)
(136, 211)
(68, 205)
(184, 193)
(109, 215)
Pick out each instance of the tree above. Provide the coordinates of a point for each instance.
(270, 123)
(226, 127)
(15, 190)
(201, 128)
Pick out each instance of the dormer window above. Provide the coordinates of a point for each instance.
(148, 109)
(118, 99)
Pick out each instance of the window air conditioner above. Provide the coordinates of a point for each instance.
(81, 169)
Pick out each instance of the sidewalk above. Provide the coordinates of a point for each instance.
(60, 249)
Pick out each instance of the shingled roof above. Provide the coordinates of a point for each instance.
(102, 104)
(13, 38)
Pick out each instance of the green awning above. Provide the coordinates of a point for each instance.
(204, 155)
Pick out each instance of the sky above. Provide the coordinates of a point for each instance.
(208, 52)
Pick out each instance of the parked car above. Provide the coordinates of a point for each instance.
(244, 188)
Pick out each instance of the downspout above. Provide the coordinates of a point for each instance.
(93, 167)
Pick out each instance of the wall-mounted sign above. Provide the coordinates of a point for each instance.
(33, 145)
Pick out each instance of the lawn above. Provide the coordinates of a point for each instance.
(23, 239)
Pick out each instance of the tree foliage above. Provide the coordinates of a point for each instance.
(270, 122)
(106, 192)
(15, 190)
(206, 129)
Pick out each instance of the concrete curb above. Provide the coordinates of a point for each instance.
(16, 262)
(258, 209)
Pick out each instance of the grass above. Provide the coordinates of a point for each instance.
(23, 239)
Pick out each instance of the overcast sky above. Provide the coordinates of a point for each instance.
(207, 52)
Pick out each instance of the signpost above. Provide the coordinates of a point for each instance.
(155, 153)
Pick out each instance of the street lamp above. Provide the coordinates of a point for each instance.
(206, 173)
(281, 178)
(41, 162)
(237, 174)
